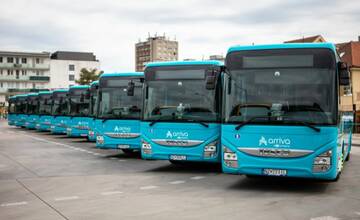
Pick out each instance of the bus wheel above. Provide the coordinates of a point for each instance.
(347, 157)
(177, 162)
(128, 151)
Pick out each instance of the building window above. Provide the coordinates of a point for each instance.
(37, 72)
(71, 77)
(37, 60)
(33, 85)
(1, 72)
(23, 60)
(1, 59)
(9, 72)
(23, 72)
(10, 59)
(1, 84)
(71, 67)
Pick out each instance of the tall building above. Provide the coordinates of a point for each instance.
(22, 72)
(65, 67)
(157, 48)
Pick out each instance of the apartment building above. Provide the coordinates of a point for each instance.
(65, 67)
(22, 72)
(158, 48)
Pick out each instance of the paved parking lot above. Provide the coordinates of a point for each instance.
(43, 176)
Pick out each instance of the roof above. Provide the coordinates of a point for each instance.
(125, 74)
(33, 94)
(351, 53)
(311, 39)
(79, 87)
(30, 54)
(60, 90)
(71, 55)
(94, 82)
(283, 46)
(45, 93)
(185, 63)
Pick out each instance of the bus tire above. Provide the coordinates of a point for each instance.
(347, 157)
(177, 162)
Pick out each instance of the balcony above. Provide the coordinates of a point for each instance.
(40, 78)
(26, 66)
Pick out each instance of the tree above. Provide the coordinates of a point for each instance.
(88, 76)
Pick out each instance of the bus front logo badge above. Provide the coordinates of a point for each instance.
(262, 141)
(169, 134)
(237, 136)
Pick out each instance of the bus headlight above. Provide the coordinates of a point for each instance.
(100, 139)
(210, 150)
(322, 162)
(146, 147)
(230, 158)
(91, 133)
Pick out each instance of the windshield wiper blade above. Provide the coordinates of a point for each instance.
(303, 123)
(251, 120)
(199, 122)
(160, 119)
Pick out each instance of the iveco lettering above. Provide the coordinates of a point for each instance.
(281, 113)
(119, 111)
(181, 119)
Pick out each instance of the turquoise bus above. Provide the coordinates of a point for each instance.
(60, 111)
(45, 117)
(94, 87)
(120, 106)
(32, 110)
(182, 111)
(12, 111)
(79, 97)
(21, 116)
(281, 112)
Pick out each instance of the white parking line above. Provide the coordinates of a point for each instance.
(325, 218)
(148, 187)
(121, 160)
(197, 177)
(13, 204)
(113, 158)
(66, 198)
(358, 213)
(110, 193)
(177, 182)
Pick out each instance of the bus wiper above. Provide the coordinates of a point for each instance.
(199, 122)
(161, 119)
(251, 120)
(303, 123)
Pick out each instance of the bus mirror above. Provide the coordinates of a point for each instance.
(130, 88)
(344, 74)
(210, 80)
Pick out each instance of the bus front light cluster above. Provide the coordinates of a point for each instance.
(230, 158)
(146, 147)
(322, 163)
(100, 139)
(210, 150)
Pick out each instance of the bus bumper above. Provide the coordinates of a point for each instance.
(301, 167)
(105, 142)
(75, 132)
(55, 129)
(196, 154)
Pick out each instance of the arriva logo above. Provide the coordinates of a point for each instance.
(118, 129)
(177, 135)
(276, 142)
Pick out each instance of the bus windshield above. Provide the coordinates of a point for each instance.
(32, 105)
(295, 84)
(45, 104)
(21, 106)
(179, 94)
(11, 108)
(60, 104)
(93, 102)
(115, 102)
(79, 102)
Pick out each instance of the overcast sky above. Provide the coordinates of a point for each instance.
(110, 28)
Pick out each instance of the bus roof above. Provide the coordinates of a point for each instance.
(125, 74)
(330, 46)
(45, 93)
(21, 95)
(79, 87)
(185, 63)
(60, 90)
(33, 94)
(94, 82)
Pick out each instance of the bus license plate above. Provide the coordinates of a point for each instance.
(274, 172)
(177, 157)
(123, 146)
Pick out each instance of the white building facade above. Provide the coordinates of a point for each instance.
(65, 67)
(22, 72)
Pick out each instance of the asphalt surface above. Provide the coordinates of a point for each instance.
(45, 176)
